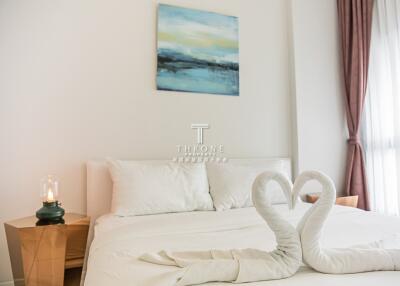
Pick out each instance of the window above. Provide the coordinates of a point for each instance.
(380, 130)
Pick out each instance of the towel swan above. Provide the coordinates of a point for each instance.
(244, 265)
(362, 258)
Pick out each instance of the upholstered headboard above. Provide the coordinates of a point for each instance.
(99, 184)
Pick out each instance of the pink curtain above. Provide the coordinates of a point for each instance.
(355, 18)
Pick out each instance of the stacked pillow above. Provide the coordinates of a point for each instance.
(152, 187)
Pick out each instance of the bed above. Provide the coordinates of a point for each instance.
(119, 241)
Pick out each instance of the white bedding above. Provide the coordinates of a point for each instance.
(120, 240)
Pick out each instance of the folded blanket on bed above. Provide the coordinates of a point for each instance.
(375, 256)
(243, 265)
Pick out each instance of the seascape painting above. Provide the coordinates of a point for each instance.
(197, 51)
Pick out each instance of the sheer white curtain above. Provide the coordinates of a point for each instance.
(381, 118)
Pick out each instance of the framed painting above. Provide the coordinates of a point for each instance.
(197, 51)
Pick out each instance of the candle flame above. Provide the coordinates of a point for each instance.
(50, 195)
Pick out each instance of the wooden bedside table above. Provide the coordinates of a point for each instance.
(349, 201)
(40, 254)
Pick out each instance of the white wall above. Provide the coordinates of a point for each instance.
(77, 81)
(318, 89)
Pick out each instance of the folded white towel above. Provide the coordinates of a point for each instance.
(375, 256)
(243, 265)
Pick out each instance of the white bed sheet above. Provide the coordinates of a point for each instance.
(120, 240)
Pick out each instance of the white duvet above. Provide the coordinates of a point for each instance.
(120, 241)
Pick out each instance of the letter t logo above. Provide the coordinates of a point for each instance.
(200, 127)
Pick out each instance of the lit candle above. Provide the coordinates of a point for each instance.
(50, 195)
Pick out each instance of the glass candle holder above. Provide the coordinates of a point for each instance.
(51, 212)
(49, 189)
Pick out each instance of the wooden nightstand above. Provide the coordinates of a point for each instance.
(349, 201)
(40, 254)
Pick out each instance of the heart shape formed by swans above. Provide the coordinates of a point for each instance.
(248, 265)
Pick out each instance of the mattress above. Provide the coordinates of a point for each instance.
(119, 241)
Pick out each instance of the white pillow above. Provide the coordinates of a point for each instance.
(231, 184)
(149, 187)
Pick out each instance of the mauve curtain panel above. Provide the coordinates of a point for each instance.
(355, 18)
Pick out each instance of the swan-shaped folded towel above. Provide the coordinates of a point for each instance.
(243, 265)
(375, 256)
